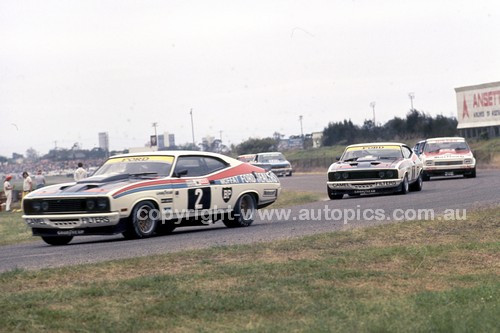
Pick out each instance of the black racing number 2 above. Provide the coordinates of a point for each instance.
(199, 198)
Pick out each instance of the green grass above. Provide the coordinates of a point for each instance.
(438, 276)
(293, 198)
(13, 229)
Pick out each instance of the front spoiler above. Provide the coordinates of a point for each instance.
(107, 230)
(365, 187)
(444, 172)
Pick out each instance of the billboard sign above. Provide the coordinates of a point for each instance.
(478, 106)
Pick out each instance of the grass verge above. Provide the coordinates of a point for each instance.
(416, 276)
(292, 198)
(13, 229)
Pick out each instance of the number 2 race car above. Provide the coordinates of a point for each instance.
(143, 194)
(375, 168)
(447, 157)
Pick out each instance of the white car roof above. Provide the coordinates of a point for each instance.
(177, 153)
(451, 138)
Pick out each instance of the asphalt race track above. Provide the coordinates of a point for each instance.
(438, 194)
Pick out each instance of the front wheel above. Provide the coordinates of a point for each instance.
(405, 186)
(333, 196)
(471, 175)
(57, 240)
(243, 214)
(142, 221)
(425, 177)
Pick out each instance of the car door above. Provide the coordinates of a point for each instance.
(413, 165)
(193, 195)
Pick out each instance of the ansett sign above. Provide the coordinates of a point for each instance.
(478, 106)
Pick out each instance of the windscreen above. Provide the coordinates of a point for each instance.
(371, 152)
(272, 158)
(440, 146)
(137, 165)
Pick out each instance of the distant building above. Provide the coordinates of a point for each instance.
(171, 140)
(161, 141)
(479, 110)
(104, 141)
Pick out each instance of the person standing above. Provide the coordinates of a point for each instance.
(80, 173)
(27, 184)
(39, 180)
(7, 189)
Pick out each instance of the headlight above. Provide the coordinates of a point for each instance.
(429, 162)
(36, 206)
(90, 204)
(45, 206)
(337, 176)
(381, 174)
(345, 175)
(102, 204)
(468, 161)
(389, 174)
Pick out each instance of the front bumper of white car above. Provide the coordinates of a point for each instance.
(368, 186)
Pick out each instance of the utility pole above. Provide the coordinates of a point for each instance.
(301, 129)
(412, 96)
(192, 127)
(372, 105)
(155, 125)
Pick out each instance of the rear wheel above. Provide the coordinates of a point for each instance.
(417, 185)
(57, 240)
(142, 221)
(243, 214)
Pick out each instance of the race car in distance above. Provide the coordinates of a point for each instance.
(448, 156)
(143, 194)
(375, 168)
(274, 162)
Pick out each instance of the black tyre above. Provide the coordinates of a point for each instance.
(333, 196)
(425, 177)
(405, 186)
(243, 214)
(417, 185)
(57, 240)
(471, 175)
(289, 174)
(142, 222)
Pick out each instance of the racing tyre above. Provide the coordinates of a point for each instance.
(57, 240)
(417, 185)
(142, 223)
(405, 186)
(289, 174)
(243, 213)
(425, 177)
(471, 175)
(333, 196)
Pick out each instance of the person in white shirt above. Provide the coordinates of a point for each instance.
(80, 173)
(27, 184)
(39, 180)
(7, 189)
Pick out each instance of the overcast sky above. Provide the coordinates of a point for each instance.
(71, 69)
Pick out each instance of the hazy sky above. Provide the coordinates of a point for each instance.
(70, 69)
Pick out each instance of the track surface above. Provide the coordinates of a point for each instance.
(438, 194)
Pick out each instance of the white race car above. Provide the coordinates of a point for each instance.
(369, 168)
(447, 157)
(143, 194)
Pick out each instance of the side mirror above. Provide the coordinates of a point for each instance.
(180, 173)
(337, 158)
